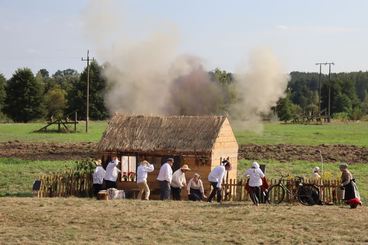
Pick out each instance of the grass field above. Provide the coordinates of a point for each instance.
(274, 133)
(87, 221)
(17, 176)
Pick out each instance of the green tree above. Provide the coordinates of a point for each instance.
(55, 102)
(343, 103)
(2, 92)
(284, 109)
(77, 95)
(24, 97)
(66, 79)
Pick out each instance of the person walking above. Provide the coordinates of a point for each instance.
(195, 188)
(165, 177)
(143, 169)
(350, 189)
(112, 172)
(178, 182)
(216, 177)
(255, 175)
(98, 177)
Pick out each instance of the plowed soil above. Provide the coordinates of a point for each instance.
(280, 152)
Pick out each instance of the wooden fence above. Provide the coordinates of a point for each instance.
(234, 190)
(65, 184)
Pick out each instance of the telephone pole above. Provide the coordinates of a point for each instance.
(87, 103)
(329, 89)
(319, 86)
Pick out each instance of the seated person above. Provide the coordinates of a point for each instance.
(195, 188)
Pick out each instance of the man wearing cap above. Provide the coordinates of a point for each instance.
(216, 177)
(112, 172)
(178, 181)
(165, 177)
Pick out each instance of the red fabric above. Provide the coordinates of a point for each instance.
(265, 185)
(354, 201)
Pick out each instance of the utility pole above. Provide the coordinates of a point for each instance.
(329, 90)
(319, 86)
(87, 104)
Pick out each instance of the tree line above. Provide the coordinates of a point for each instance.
(26, 96)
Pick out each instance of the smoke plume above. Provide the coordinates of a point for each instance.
(148, 76)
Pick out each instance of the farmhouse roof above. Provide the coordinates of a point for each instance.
(161, 133)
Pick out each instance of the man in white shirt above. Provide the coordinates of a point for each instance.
(178, 181)
(112, 172)
(216, 177)
(165, 177)
(255, 175)
(98, 176)
(143, 169)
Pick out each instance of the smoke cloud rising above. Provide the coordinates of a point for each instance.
(148, 76)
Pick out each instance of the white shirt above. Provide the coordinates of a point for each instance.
(142, 172)
(165, 173)
(255, 176)
(98, 175)
(178, 179)
(193, 185)
(112, 171)
(217, 175)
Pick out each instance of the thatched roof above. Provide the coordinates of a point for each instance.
(161, 133)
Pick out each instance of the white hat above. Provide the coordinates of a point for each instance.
(315, 169)
(255, 165)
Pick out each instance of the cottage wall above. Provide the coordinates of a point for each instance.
(225, 146)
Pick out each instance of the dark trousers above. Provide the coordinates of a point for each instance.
(175, 191)
(255, 194)
(215, 191)
(195, 195)
(110, 184)
(164, 190)
(96, 189)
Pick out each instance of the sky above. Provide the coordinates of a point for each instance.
(50, 34)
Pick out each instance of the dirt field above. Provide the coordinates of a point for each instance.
(75, 151)
(55, 221)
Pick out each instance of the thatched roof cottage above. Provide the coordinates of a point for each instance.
(202, 142)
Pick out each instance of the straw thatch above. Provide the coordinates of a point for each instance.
(161, 133)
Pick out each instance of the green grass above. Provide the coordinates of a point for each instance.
(25, 132)
(274, 133)
(334, 133)
(304, 168)
(17, 176)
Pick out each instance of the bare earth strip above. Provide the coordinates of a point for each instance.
(87, 221)
(280, 152)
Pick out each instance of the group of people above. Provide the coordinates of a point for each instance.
(172, 183)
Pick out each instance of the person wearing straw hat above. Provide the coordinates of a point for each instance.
(98, 177)
(112, 172)
(143, 169)
(195, 188)
(178, 181)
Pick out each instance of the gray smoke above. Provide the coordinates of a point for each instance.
(148, 76)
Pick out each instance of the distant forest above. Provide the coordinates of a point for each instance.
(26, 96)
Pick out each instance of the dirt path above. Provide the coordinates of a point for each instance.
(57, 151)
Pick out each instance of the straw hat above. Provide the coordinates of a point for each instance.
(98, 162)
(197, 175)
(343, 165)
(144, 162)
(185, 167)
(315, 169)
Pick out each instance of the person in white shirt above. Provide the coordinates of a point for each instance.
(178, 181)
(216, 177)
(165, 177)
(195, 188)
(112, 172)
(143, 169)
(255, 175)
(98, 176)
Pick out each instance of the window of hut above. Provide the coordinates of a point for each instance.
(128, 168)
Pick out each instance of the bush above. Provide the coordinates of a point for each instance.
(343, 116)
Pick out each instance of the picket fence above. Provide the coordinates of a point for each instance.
(77, 184)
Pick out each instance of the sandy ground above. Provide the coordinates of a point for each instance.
(75, 151)
(88, 221)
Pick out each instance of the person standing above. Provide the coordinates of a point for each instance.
(178, 181)
(98, 177)
(255, 175)
(165, 177)
(350, 189)
(216, 177)
(143, 169)
(112, 172)
(195, 188)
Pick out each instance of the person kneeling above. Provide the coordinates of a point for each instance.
(195, 188)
